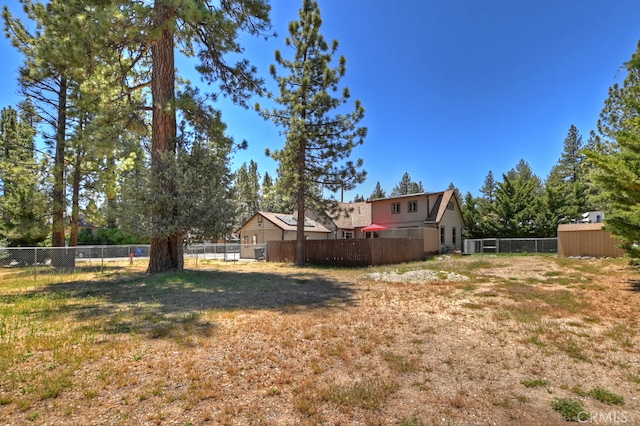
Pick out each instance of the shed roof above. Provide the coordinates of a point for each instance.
(575, 227)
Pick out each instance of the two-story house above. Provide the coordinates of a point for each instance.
(438, 211)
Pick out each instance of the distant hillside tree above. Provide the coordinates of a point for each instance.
(319, 140)
(618, 170)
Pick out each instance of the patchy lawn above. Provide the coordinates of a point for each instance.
(454, 340)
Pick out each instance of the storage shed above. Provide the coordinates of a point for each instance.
(587, 239)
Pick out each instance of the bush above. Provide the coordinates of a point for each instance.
(571, 410)
(606, 397)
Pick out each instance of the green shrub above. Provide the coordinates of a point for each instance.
(605, 396)
(571, 410)
(535, 383)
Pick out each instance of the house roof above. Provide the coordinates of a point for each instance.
(417, 194)
(440, 207)
(357, 215)
(289, 222)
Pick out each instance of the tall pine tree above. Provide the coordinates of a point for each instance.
(146, 37)
(319, 139)
(566, 183)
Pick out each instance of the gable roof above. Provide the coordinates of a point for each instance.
(439, 207)
(358, 215)
(289, 222)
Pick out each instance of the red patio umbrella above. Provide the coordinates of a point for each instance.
(373, 227)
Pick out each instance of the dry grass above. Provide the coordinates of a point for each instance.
(260, 343)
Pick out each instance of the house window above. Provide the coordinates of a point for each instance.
(259, 218)
(254, 240)
(453, 235)
(395, 208)
(451, 206)
(245, 240)
(413, 206)
(347, 235)
(442, 233)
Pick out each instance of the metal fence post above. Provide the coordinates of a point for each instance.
(102, 260)
(35, 264)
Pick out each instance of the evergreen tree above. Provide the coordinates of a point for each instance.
(474, 217)
(566, 184)
(46, 77)
(248, 195)
(202, 178)
(617, 171)
(144, 37)
(23, 201)
(269, 195)
(378, 192)
(456, 191)
(519, 206)
(206, 187)
(406, 186)
(596, 198)
(67, 83)
(319, 142)
(489, 187)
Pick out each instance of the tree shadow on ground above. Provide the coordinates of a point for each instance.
(146, 304)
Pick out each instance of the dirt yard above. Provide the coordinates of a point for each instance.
(450, 341)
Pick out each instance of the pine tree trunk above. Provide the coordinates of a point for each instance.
(166, 251)
(60, 258)
(75, 201)
(110, 191)
(57, 237)
(300, 254)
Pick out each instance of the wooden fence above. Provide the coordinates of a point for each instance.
(352, 252)
(587, 239)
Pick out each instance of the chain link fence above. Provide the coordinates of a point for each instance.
(511, 245)
(50, 259)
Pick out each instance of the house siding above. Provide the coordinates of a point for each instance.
(264, 230)
(381, 212)
(450, 220)
(428, 209)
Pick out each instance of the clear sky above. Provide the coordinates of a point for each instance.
(452, 89)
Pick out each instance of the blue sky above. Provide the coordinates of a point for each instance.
(452, 89)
